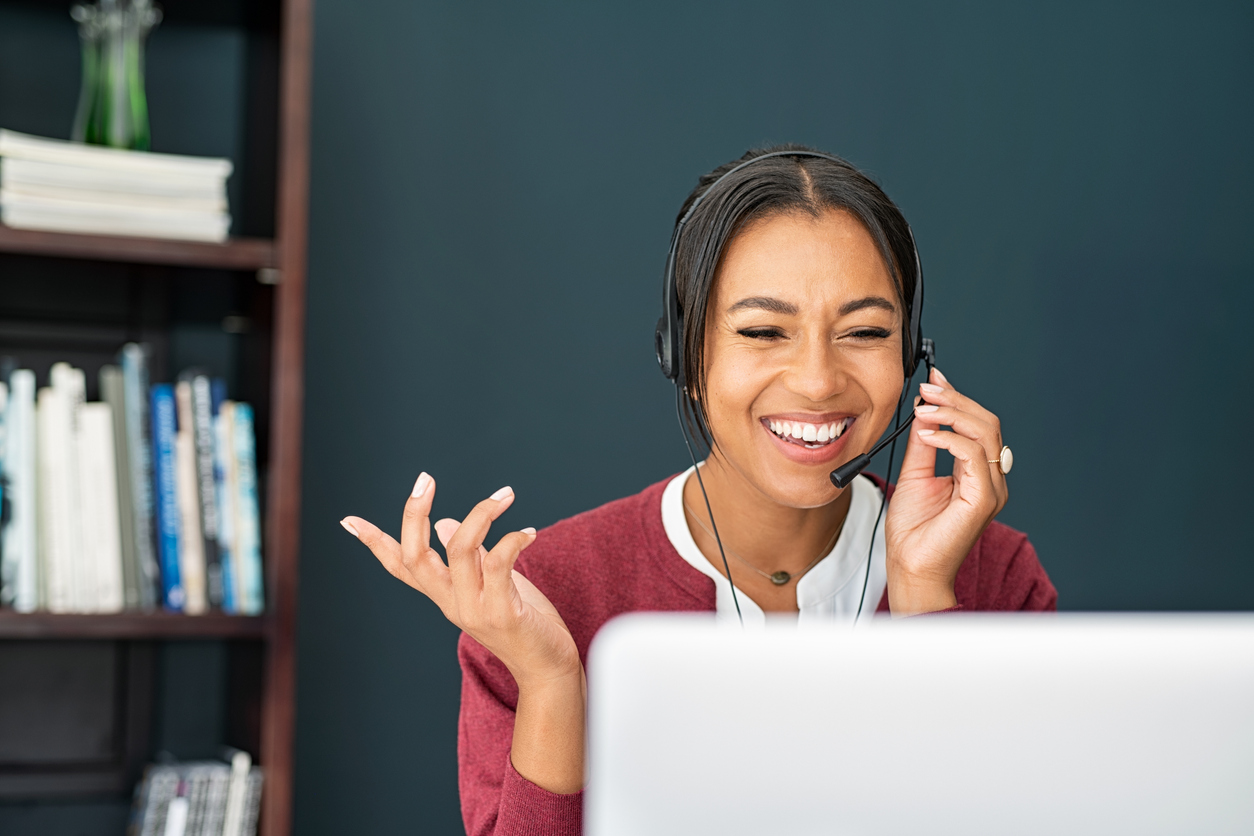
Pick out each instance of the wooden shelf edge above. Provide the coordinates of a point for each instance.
(234, 254)
(43, 625)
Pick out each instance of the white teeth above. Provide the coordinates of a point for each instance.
(810, 433)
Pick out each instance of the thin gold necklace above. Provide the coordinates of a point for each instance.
(778, 578)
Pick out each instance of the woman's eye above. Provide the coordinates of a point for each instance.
(871, 334)
(760, 333)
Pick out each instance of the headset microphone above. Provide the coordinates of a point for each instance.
(843, 475)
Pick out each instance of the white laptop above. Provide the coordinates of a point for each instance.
(970, 724)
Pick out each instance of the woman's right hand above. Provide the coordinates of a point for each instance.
(478, 590)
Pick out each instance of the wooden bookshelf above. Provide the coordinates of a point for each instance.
(137, 626)
(262, 653)
(235, 254)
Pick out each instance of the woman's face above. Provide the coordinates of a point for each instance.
(802, 353)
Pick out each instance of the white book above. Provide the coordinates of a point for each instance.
(57, 196)
(165, 212)
(85, 219)
(191, 541)
(28, 174)
(102, 542)
(237, 794)
(21, 559)
(57, 498)
(27, 147)
(73, 384)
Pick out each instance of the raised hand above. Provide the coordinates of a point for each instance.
(478, 590)
(933, 521)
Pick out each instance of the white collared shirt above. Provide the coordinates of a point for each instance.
(828, 592)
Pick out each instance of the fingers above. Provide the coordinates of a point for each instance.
(387, 550)
(919, 461)
(444, 529)
(946, 406)
(423, 562)
(498, 564)
(941, 392)
(972, 477)
(465, 544)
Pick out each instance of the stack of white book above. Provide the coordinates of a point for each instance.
(50, 184)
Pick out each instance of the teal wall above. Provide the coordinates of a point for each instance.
(492, 192)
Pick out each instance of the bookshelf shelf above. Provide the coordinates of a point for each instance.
(235, 254)
(137, 626)
(136, 289)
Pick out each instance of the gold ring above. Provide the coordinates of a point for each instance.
(1005, 461)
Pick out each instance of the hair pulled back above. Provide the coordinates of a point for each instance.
(776, 186)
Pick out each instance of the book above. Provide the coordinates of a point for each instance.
(134, 362)
(201, 798)
(252, 803)
(202, 412)
(53, 185)
(19, 570)
(247, 549)
(223, 427)
(165, 496)
(91, 491)
(112, 391)
(57, 215)
(191, 540)
(136, 163)
(40, 177)
(65, 581)
(153, 795)
(98, 506)
(237, 792)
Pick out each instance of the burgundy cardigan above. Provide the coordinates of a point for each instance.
(617, 559)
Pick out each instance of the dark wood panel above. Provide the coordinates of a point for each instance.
(75, 717)
(287, 373)
(235, 254)
(158, 625)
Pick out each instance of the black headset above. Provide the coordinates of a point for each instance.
(668, 343)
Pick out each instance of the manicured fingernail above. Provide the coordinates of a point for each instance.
(926, 432)
(940, 375)
(931, 388)
(528, 530)
(503, 493)
(349, 528)
(926, 408)
(420, 487)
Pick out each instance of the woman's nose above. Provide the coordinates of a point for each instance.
(816, 372)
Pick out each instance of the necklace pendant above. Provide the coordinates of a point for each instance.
(780, 578)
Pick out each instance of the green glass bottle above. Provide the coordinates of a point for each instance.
(113, 107)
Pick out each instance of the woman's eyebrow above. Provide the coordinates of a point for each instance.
(779, 306)
(765, 303)
(867, 302)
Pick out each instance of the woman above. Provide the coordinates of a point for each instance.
(792, 276)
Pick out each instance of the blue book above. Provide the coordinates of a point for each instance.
(169, 523)
(248, 533)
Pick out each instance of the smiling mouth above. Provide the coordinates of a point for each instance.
(810, 436)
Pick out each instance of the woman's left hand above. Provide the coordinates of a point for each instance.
(933, 521)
